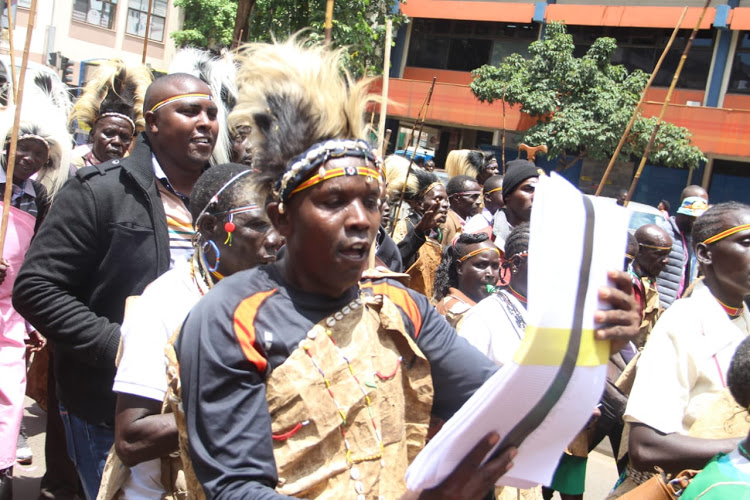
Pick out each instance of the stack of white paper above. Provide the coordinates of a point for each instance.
(557, 264)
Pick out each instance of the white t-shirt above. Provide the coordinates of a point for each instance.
(495, 327)
(683, 367)
(148, 325)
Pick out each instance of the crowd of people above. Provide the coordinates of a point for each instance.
(290, 315)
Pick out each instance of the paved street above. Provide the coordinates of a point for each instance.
(599, 479)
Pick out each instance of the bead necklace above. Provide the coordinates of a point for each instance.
(733, 312)
(517, 295)
(204, 282)
(351, 460)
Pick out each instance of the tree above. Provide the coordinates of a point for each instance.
(207, 23)
(582, 105)
(358, 25)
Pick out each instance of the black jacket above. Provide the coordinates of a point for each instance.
(105, 238)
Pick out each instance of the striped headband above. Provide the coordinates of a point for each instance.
(238, 210)
(429, 188)
(654, 247)
(477, 252)
(465, 192)
(724, 234)
(493, 190)
(34, 137)
(294, 179)
(118, 115)
(180, 97)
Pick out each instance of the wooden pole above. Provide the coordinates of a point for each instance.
(386, 81)
(14, 134)
(329, 21)
(660, 119)
(411, 160)
(148, 27)
(640, 102)
(422, 109)
(504, 129)
(14, 80)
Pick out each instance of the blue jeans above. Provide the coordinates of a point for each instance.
(88, 447)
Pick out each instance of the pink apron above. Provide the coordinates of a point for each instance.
(12, 335)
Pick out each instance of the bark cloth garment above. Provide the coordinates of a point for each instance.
(645, 290)
(421, 254)
(455, 306)
(250, 334)
(452, 227)
(12, 338)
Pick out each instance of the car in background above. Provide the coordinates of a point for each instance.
(640, 214)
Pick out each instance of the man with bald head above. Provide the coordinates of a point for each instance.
(683, 266)
(114, 228)
(654, 246)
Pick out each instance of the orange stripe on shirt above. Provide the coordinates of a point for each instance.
(402, 299)
(244, 328)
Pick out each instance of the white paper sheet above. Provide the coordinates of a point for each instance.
(555, 251)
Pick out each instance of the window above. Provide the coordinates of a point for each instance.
(97, 12)
(739, 80)
(138, 14)
(465, 45)
(640, 48)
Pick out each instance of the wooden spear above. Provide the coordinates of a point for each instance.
(504, 129)
(148, 27)
(329, 21)
(14, 133)
(14, 81)
(411, 160)
(660, 119)
(640, 102)
(386, 81)
(422, 109)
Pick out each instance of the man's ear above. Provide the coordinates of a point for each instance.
(208, 226)
(279, 220)
(151, 125)
(703, 254)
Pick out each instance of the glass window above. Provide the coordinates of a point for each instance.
(465, 45)
(739, 79)
(138, 14)
(97, 12)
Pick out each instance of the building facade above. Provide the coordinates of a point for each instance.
(447, 39)
(87, 31)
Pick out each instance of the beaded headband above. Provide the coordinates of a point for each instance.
(118, 115)
(215, 198)
(632, 257)
(35, 137)
(292, 181)
(493, 190)
(180, 97)
(654, 247)
(429, 188)
(724, 234)
(477, 252)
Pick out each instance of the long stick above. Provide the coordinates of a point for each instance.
(640, 102)
(411, 160)
(329, 21)
(419, 115)
(14, 81)
(148, 27)
(504, 129)
(659, 120)
(14, 134)
(386, 82)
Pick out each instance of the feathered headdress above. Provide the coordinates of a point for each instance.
(43, 117)
(466, 162)
(115, 89)
(219, 74)
(294, 97)
(418, 184)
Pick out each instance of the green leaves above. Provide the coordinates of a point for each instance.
(582, 104)
(207, 23)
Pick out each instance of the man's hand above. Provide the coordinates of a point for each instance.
(4, 265)
(469, 480)
(621, 323)
(428, 220)
(35, 342)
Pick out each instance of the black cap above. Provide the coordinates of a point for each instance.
(517, 171)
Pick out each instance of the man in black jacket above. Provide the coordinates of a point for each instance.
(106, 237)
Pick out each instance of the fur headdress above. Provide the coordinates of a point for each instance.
(43, 114)
(114, 88)
(294, 96)
(219, 74)
(467, 162)
(418, 184)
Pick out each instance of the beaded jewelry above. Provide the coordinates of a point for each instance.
(216, 251)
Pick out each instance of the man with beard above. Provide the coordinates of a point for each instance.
(519, 184)
(465, 198)
(114, 228)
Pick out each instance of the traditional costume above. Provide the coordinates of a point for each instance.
(288, 392)
(647, 296)
(114, 90)
(455, 306)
